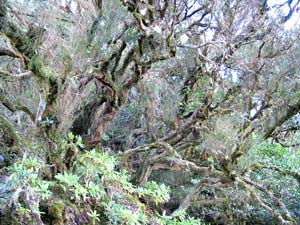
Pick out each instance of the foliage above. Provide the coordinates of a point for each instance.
(94, 181)
(155, 192)
(179, 219)
(277, 155)
(151, 107)
(273, 164)
(28, 188)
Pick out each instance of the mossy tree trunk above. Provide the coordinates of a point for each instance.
(164, 86)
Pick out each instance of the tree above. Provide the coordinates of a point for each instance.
(186, 86)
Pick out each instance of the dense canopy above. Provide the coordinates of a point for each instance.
(149, 112)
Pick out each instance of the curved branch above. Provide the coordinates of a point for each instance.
(186, 203)
(4, 51)
(281, 116)
(258, 166)
(250, 185)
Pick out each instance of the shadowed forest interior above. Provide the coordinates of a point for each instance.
(159, 112)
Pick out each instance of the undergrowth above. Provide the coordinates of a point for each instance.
(94, 188)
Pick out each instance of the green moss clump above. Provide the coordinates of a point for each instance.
(56, 210)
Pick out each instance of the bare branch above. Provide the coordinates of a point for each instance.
(258, 166)
(8, 52)
(186, 203)
(277, 201)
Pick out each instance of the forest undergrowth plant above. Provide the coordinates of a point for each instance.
(181, 218)
(94, 183)
(28, 189)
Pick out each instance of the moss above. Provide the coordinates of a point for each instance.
(56, 210)
(8, 216)
(135, 201)
(3, 10)
(37, 66)
(9, 220)
(19, 38)
(27, 44)
(9, 129)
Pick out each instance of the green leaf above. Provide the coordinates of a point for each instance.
(71, 136)
(69, 179)
(105, 137)
(73, 82)
(79, 142)
(210, 159)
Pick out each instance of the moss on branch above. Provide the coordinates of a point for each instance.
(10, 130)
